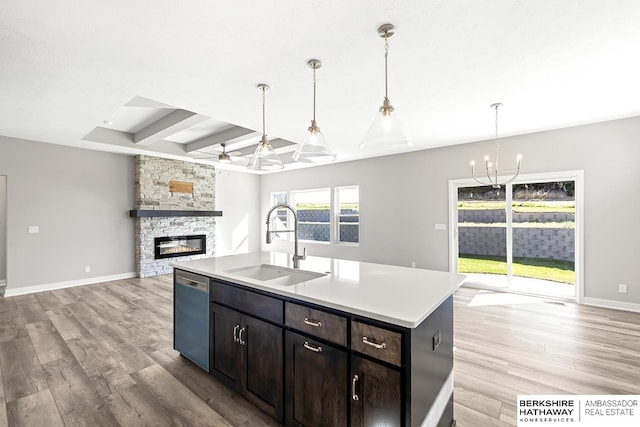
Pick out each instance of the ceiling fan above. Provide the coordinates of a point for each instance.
(224, 157)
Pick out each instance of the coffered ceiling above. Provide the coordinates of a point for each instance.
(179, 78)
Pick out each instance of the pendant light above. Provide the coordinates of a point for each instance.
(387, 130)
(492, 170)
(264, 158)
(314, 148)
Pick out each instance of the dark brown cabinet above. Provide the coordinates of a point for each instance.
(247, 355)
(310, 365)
(315, 383)
(376, 397)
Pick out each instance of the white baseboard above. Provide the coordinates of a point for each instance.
(11, 292)
(607, 303)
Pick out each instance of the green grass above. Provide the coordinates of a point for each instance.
(522, 206)
(545, 269)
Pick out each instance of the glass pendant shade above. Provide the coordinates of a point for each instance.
(265, 158)
(314, 148)
(386, 131)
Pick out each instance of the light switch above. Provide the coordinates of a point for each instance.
(33, 229)
(441, 227)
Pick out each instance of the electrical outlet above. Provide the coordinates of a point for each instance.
(87, 269)
(413, 264)
(34, 229)
(622, 288)
(436, 340)
(441, 227)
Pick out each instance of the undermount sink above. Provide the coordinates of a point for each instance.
(275, 275)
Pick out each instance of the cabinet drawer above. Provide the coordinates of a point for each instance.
(377, 342)
(316, 322)
(256, 304)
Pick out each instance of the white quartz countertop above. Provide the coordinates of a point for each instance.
(398, 295)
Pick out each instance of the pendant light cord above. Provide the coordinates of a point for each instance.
(264, 133)
(386, 54)
(314, 96)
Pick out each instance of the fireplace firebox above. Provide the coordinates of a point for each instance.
(175, 246)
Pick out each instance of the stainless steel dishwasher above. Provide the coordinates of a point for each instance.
(191, 317)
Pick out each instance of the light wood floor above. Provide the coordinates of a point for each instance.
(102, 355)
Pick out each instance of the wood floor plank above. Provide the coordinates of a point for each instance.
(66, 323)
(47, 342)
(48, 300)
(102, 369)
(84, 314)
(78, 402)
(22, 374)
(30, 309)
(123, 351)
(219, 397)
(34, 410)
(12, 325)
(138, 406)
(187, 408)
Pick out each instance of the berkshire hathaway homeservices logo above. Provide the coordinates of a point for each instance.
(578, 410)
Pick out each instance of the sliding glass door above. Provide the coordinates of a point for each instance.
(520, 237)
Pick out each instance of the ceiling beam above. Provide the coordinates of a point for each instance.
(170, 124)
(234, 135)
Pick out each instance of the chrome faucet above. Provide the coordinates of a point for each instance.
(296, 257)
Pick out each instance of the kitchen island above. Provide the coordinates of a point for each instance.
(335, 342)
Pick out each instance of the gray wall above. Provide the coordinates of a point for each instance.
(79, 199)
(3, 227)
(238, 197)
(417, 182)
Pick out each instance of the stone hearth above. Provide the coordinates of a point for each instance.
(152, 192)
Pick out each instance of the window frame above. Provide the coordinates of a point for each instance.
(336, 215)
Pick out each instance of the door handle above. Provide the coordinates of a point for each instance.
(240, 340)
(308, 346)
(235, 333)
(354, 394)
(374, 344)
(309, 322)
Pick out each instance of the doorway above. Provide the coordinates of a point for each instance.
(524, 237)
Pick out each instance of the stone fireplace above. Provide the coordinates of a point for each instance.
(171, 212)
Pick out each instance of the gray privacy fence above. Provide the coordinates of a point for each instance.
(546, 241)
(315, 224)
(486, 216)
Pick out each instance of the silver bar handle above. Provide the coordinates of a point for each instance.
(374, 344)
(235, 333)
(312, 348)
(240, 340)
(354, 394)
(309, 322)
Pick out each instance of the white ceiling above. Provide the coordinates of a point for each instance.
(67, 66)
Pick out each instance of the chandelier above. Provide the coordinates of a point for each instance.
(492, 170)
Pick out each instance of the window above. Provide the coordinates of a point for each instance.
(320, 220)
(347, 214)
(314, 214)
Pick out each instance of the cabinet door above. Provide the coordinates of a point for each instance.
(375, 394)
(315, 382)
(225, 348)
(263, 366)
